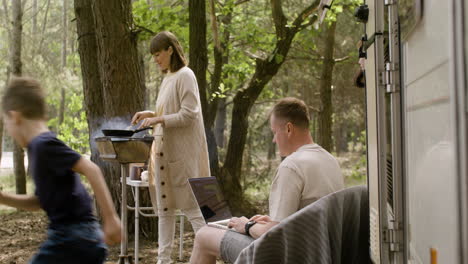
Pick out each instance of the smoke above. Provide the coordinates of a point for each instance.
(115, 123)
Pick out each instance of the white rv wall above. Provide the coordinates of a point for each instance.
(372, 138)
(429, 137)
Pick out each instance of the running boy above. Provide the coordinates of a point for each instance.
(74, 235)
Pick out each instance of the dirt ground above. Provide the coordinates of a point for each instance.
(21, 233)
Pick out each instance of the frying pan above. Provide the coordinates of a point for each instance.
(122, 132)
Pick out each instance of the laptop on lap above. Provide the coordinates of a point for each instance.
(211, 201)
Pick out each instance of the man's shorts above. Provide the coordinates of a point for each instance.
(78, 243)
(232, 244)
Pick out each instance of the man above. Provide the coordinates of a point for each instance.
(307, 173)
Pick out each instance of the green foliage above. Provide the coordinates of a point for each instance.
(339, 6)
(161, 15)
(74, 128)
(252, 35)
(359, 169)
(7, 182)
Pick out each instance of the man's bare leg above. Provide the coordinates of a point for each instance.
(206, 245)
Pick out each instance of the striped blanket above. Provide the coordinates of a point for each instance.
(334, 229)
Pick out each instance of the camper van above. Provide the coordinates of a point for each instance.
(417, 103)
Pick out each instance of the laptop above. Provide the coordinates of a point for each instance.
(211, 201)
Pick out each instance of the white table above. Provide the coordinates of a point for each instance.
(136, 185)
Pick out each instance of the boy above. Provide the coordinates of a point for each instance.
(73, 235)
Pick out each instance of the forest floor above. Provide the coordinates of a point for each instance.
(21, 233)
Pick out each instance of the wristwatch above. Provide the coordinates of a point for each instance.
(248, 225)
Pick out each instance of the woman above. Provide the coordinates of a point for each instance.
(179, 150)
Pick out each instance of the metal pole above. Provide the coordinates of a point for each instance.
(137, 219)
(393, 88)
(124, 258)
(181, 230)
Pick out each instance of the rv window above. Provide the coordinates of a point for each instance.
(409, 12)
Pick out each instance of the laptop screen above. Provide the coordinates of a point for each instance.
(210, 199)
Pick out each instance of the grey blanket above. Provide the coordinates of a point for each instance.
(334, 229)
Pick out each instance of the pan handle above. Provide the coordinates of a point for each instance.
(141, 129)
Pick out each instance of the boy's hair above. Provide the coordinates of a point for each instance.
(25, 95)
(292, 110)
(162, 41)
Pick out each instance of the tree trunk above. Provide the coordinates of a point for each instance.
(245, 98)
(112, 81)
(16, 70)
(199, 63)
(64, 63)
(326, 77)
(1, 137)
(218, 110)
(34, 19)
(6, 18)
(64, 34)
(120, 75)
(44, 24)
(198, 57)
(220, 124)
(271, 146)
(61, 108)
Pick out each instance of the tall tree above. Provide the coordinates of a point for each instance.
(64, 60)
(218, 111)
(6, 26)
(198, 58)
(265, 69)
(44, 26)
(16, 70)
(112, 77)
(326, 77)
(92, 85)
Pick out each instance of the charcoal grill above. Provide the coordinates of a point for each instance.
(124, 150)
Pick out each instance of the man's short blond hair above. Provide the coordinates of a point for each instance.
(292, 110)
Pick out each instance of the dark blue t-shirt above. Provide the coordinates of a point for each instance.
(58, 187)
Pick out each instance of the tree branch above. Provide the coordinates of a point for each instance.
(341, 59)
(305, 14)
(278, 18)
(214, 25)
(253, 56)
(142, 28)
(241, 2)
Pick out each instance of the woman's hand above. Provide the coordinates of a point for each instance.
(141, 115)
(151, 121)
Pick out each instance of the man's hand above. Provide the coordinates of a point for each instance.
(261, 219)
(238, 223)
(112, 231)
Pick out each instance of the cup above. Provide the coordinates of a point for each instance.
(135, 171)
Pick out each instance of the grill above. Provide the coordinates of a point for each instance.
(124, 150)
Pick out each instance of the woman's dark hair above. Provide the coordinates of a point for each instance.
(162, 41)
